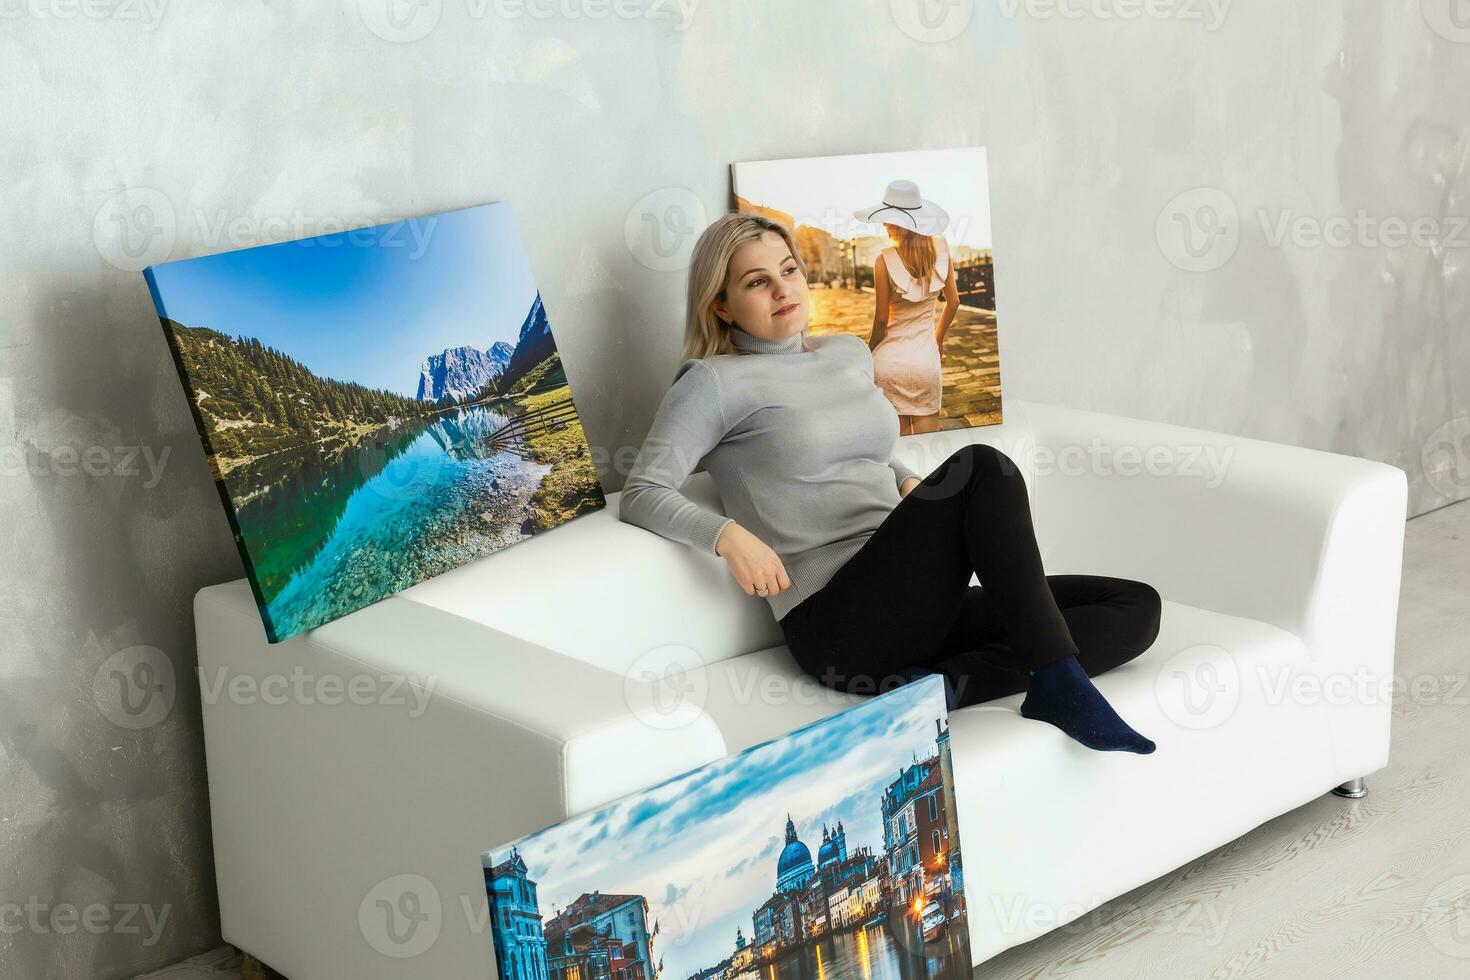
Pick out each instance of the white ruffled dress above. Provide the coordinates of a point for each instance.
(906, 362)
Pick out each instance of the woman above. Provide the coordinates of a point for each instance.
(865, 566)
(907, 278)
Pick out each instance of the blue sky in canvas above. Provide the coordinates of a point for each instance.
(709, 840)
(368, 305)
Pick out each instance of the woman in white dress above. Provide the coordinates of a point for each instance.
(908, 278)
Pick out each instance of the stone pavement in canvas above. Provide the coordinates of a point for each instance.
(971, 352)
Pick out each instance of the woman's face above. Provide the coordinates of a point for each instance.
(765, 292)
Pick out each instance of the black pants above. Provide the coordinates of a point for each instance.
(905, 600)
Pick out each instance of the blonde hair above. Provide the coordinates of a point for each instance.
(704, 332)
(917, 252)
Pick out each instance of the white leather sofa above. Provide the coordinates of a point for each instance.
(544, 688)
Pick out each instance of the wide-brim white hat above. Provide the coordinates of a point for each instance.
(904, 206)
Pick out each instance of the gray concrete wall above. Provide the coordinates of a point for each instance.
(1157, 174)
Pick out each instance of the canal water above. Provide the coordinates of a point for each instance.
(876, 952)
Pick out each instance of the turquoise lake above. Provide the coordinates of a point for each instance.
(331, 532)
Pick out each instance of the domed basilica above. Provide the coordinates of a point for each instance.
(795, 867)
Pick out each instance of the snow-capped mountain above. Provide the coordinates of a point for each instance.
(461, 372)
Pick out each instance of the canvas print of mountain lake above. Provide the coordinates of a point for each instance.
(832, 853)
(378, 406)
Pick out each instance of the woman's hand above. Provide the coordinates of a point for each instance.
(755, 566)
(908, 485)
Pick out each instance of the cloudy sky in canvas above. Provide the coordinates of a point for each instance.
(824, 191)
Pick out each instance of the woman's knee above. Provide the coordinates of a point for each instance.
(979, 457)
(1147, 611)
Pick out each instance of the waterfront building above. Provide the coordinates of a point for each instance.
(743, 957)
(520, 944)
(904, 802)
(814, 908)
(715, 972)
(918, 825)
(601, 937)
(946, 769)
(931, 836)
(834, 847)
(778, 920)
(794, 868)
(581, 953)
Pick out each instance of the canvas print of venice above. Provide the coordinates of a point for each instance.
(378, 406)
(829, 854)
(918, 225)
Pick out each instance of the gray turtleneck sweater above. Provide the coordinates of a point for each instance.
(798, 442)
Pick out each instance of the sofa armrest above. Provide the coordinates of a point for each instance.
(1306, 540)
(604, 738)
(459, 738)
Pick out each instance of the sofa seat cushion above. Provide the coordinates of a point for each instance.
(1207, 692)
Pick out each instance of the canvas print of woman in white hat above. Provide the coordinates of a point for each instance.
(908, 330)
(910, 272)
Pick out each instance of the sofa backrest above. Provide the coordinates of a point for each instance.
(616, 595)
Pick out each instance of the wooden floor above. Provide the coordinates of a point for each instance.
(1374, 888)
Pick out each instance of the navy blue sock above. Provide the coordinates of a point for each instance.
(1061, 693)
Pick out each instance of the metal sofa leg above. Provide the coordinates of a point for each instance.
(1353, 789)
